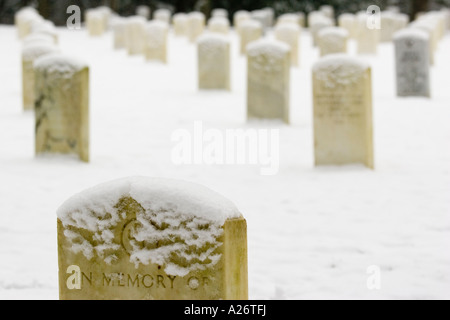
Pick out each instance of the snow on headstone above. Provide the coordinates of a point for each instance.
(289, 33)
(239, 17)
(30, 53)
(333, 40)
(24, 19)
(156, 35)
(38, 38)
(342, 94)
(214, 62)
(143, 11)
(151, 239)
(135, 32)
(289, 18)
(270, 14)
(389, 25)
(45, 27)
(250, 30)
(428, 28)
(328, 11)
(196, 25)
(223, 13)
(263, 17)
(348, 22)
(180, 24)
(367, 39)
(412, 63)
(163, 15)
(62, 106)
(268, 87)
(317, 24)
(219, 25)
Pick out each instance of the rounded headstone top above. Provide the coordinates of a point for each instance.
(157, 24)
(213, 38)
(33, 51)
(408, 33)
(196, 15)
(59, 63)
(136, 20)
(155, 195)
(251, 24)
(333, 31)
(218, 20)
(38, 38)
(269, 47)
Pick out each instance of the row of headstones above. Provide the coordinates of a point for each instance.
(55, 86)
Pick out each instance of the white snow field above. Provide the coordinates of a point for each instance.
(312, 232)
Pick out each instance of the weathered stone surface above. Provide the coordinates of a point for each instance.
(412, 63)
(214, 62)
(62, 106)
(332, 40)
(343, 129)
(30, 53)
(151, 239)
(268, 86)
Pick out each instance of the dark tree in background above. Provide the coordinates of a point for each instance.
(55, 10)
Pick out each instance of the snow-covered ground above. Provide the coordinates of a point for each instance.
(312, 232)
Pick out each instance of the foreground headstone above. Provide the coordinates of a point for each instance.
(62, 106)
(289, 33)
(30, 53)
(333, 40)
(250, 30)
(214, 62)
(343, 132)
(151, 239)
(135, 35)
(412, 63)
(268, 88)
(196, 23)
(180, 24)
(156, 35)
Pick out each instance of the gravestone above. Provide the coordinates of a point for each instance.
(328, 11)
(367, 39)
(196, 23)
(38, 38)
(163, 15)
(143, 11)
(412, 63)
(214, 62)
(119, 27)
(62, 106)
(348, 22)
(317, 24)
(156, 35)
(333, 40)
(151, 239)
(219, 25)
(222, 13)
(302, 19)
(239, 17)
(342, 94)
(135, 32)
(289, 18)
(268, 86)
(427, 27)
(24, 19)
(250, 30)
(45, 27)
(180, 24)
(262, 17)
(289, 33)
(30, 53)
(95, 22)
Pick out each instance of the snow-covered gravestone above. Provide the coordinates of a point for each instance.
(250, 30)
(333, 40)
(412, 63)
(151, 239)
(30, 53)
(45, 27)
(317, 24)
(38, 38)
(342, 91)
(348, 22)
(223, 13)
(156, 35)
(239, 17)
(219, 25)
(196, 25)
(289, 33)
(119, 27)
(135, 30)
(23, 20)
(214, 62)
(62, 106)
(163, 15)
(268, 87)
(143, 11)
(180, 24)
(289, 18)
